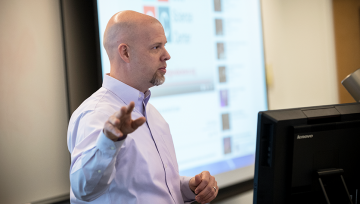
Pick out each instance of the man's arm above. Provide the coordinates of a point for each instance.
(94, 155)
(90, 172)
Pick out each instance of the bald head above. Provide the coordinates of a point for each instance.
(125, 27)
(135, 44)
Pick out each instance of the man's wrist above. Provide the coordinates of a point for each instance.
(122, 138)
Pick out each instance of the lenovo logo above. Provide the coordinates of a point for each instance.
(299, 137)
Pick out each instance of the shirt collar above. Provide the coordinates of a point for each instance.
(126, 93)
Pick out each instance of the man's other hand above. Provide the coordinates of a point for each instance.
(120, 124)
(204, 186)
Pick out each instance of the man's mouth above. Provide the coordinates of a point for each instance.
(162, 69)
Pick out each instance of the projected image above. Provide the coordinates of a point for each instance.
(164, 18)
(227, 145)
(220, 50)
(218, 27)
(224, 98)
(225, 121)
(149, 10)
(215, 81)
(217, 5)
(222, 74)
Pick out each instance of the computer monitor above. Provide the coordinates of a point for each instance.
(295, 148)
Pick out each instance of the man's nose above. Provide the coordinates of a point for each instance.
(166, 56)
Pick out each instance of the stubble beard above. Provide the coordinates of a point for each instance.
(157, 79)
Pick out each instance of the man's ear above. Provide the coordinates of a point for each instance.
(123, 50)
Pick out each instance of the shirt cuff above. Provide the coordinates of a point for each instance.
(187, 193)
(106, 145)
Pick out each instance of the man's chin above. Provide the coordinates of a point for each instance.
(160, 82)
(157, 80)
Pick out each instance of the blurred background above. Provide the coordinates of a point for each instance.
(310, 46)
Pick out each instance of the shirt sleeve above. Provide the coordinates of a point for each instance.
(187, 194)
(93, 157)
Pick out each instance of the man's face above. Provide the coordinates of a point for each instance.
(149, 55)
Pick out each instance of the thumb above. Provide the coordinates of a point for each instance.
(197, 180)
(194, 182)
(138, 122)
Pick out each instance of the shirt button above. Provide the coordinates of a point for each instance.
(112, 147)
(99, 171)
(139, 95)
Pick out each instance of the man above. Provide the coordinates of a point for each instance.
(121, 147)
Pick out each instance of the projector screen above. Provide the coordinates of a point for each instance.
(215, 80)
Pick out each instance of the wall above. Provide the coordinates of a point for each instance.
(33, 114)
(300, 52)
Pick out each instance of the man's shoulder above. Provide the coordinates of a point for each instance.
(102, 101)
(150, 107)
(152, 111)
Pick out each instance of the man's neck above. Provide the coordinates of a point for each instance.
(127, 81)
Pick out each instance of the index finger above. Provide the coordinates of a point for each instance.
(130, 107)
(125, 110)
(205, 178)
(121, 112)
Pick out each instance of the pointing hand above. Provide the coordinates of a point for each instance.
(120, 124)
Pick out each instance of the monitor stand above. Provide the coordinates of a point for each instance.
(332, 173)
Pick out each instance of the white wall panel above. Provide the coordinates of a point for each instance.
(300, 52)
(34, 160)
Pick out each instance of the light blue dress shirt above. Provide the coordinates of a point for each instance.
(140, 169)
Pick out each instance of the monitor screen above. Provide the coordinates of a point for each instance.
(297, 147)
(215, 80)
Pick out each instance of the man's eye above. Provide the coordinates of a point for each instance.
(156, 47)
